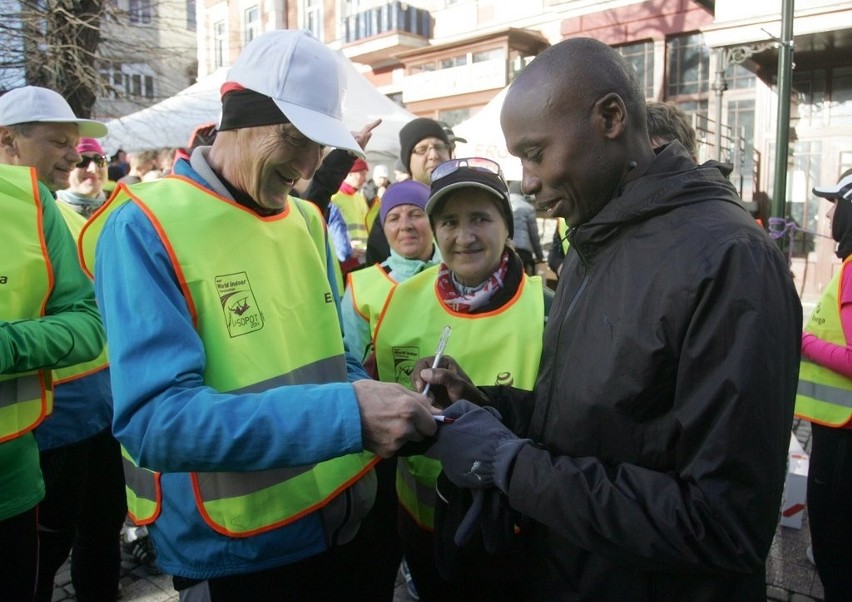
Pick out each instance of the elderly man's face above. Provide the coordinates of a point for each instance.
(271, 159)
(567, 164)
(51, 149)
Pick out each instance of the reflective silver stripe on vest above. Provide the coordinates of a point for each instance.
(139, 480)
(423, 492)
(22, 388)
(218, 485)
(332, 369)
(827, 393)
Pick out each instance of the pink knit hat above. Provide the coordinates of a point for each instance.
(89, 145)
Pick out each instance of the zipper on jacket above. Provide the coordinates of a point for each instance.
(562, 321)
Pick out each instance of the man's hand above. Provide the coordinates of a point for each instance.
(476, 450)
(448, 382)
(363, 137)
(391, 415)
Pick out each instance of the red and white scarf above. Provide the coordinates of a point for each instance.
(465, 299)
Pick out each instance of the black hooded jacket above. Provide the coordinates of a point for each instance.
(661, 416)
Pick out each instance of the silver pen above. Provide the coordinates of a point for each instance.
(439, 351)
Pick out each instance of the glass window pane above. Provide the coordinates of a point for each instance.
(840, 107)
(641, 57)
(688, 65)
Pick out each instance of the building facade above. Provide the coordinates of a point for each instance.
(718, 60)
(147, 53)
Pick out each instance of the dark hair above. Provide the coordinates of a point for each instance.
(667, 122)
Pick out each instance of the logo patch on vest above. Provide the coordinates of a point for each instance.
(403, 363)
(242, 315)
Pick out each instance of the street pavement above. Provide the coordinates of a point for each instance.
(790, 577)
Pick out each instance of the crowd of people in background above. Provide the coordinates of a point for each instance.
(301, 375)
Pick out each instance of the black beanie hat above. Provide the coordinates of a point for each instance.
(415, 131)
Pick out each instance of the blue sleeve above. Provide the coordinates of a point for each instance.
(163, 413)
(339, 233)
(356, 330)
(354, 369)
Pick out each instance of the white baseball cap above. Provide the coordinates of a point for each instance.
(305, 80)
(32, 104)
(832, 192)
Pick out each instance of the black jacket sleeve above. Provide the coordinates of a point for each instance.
(328, 178)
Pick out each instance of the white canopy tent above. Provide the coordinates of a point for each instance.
(485, 138)
(169, 123)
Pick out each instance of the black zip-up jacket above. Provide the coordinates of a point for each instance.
(663, 407)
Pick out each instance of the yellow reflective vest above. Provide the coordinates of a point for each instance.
(234, 286)
(823, 395)
(75, 223)
(562, 230)
(369, 288)
(501, 347)
(353, 208)
(26, 279)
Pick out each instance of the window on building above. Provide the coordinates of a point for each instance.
(741, 122)
(191, 23)
(312, 16)
(803, 173)
(488, 55)
(219, 44)
(840, 108)
(641, 57)
(811, 90)
(739, 77)
(127, 80)
(421, 68)
(453, 61)
(140, 11)
(688, 65)
(252, 20)
(824, 96)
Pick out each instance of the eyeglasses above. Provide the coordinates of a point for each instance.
(477, 163)
(438, 147)
(100, 161)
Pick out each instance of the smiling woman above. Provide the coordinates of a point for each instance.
(480, 291)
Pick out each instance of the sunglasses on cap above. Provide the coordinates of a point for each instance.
(477, 163)
(100, 161)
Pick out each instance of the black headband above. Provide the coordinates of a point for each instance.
(247, 109)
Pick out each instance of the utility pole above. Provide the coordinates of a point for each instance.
(785, 76)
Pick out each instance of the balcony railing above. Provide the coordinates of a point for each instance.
(393, 16)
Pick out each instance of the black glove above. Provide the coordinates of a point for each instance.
(476, 451)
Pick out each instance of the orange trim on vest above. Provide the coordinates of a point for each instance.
(349, 285)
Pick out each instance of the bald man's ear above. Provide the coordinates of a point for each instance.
(610, 115)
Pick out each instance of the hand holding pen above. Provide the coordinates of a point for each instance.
(439, 352)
